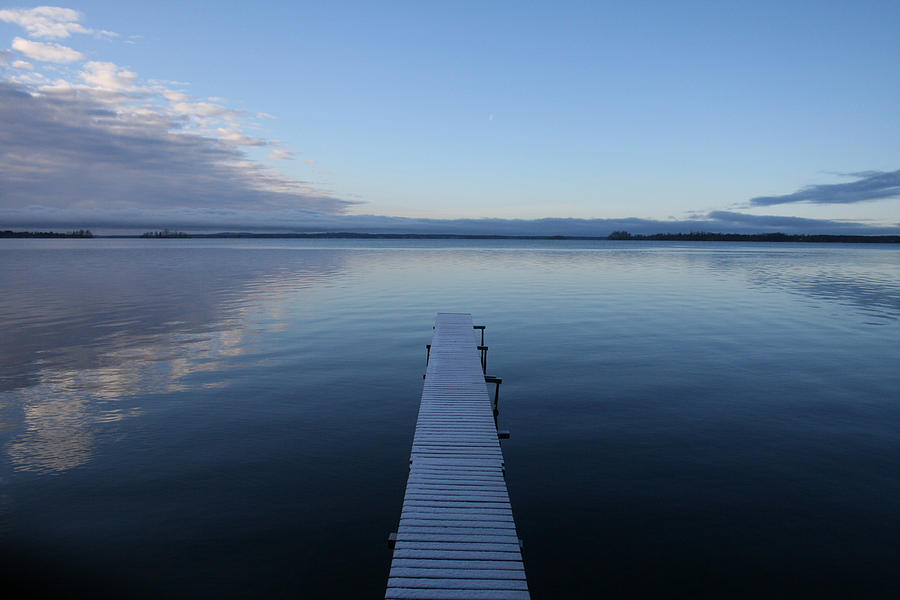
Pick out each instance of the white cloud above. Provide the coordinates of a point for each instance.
(167, 82)
(60, 85)
(175, 96)
(47, 21)
(5, 56)
(108, 76)
(238, 138)
(280, 154)
(46, 52)
(201, 109)
(23, 65)
(31, 78)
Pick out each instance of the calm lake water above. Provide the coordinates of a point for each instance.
(205, 418)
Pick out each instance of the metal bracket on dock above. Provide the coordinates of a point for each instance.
(498, 381)
(503, 434)
(483, 348)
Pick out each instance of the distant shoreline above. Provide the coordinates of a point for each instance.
(756, 237)
(81, 233)
(615, 236)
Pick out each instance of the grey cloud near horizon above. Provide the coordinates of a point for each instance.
(96, 158)
(870, 185)
(206, 219)
(738, 219)
(75, 149)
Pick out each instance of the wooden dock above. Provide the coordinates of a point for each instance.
(457, 538)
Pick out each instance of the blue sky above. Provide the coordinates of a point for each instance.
(305, 116)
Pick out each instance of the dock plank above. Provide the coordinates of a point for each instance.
(439, 594)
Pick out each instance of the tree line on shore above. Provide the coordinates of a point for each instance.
(164, 233)
(694, 236)
(78, 233)
(705, 236)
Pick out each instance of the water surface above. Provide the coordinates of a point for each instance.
(234, 417)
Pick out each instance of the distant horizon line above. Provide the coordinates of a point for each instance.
(614, 236)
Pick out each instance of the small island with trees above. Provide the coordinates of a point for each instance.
(165, 233)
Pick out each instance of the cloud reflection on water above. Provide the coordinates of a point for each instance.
(70, 370)
(867, 281)
(62, 411)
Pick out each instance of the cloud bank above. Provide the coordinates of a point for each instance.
(84, 137)
(210, 219)
(870, 185)
(82, 149)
